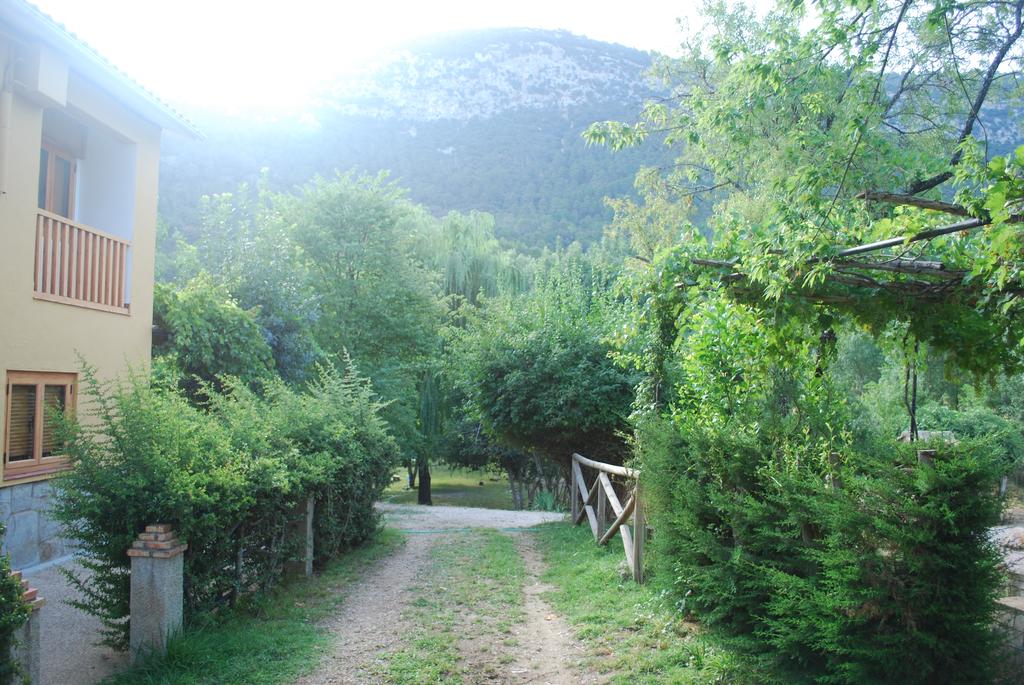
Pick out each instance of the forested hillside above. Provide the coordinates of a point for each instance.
(487, 120)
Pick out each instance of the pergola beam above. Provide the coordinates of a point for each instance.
(913, 201)
(968, 225)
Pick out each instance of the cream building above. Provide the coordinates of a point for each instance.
(79, 161)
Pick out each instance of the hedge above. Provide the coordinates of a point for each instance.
(826, 559)
(229, 477)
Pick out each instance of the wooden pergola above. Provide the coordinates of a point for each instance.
(867, 266)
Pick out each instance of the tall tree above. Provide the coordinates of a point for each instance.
(377, 301)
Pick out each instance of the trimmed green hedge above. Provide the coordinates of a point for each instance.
(229, 477)
(828, 559)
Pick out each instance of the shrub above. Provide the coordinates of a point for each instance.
(978, 421)
(831, 561)
(229, 478)
(206, 335)
(347, 455)
(13, 613)
(536, 370)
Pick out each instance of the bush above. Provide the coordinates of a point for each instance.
(536, 371)
(830, 561)
(229, 479)
(13, 613)
(347, 454)
(977, 422)
(205, 335)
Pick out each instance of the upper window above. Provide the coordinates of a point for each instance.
(33, 402)
(56, 180)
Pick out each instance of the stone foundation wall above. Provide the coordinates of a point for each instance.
(1011, 621)
(1014, 585)
(32, 536)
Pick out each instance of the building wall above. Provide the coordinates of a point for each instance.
(37, 335)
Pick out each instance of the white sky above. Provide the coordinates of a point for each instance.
(272, 54)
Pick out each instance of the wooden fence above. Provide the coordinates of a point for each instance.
(593, 501)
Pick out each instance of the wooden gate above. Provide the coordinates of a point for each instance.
(593, 501)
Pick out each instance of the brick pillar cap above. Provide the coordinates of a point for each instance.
(158, 542)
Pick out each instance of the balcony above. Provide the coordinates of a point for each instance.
(79, 265)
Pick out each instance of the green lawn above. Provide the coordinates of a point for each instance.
(456, 487)
(271, 643)
(633, 634)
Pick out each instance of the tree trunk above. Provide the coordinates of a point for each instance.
(516, 489)
(423, 493)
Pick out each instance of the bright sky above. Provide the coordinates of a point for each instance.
(272, 54)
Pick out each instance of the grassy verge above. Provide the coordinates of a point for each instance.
(633, 635)
(457, 488)
(462, 612)
(269, 643)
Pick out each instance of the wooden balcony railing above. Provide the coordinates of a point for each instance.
(79, 265)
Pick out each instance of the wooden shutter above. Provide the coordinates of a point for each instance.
(21, 422)
(54, 400)
(31, 447)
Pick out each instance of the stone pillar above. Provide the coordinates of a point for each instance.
(157, 590)
(27, 650)
(300, 534)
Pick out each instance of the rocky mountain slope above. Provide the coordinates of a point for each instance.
(488, 120)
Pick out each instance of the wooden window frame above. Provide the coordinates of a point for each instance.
(52, 152)
(38, 465)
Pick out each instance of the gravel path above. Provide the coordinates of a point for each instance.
(370, 622)
(70, 656)
(414, 519)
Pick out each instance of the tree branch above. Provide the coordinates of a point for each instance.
(912, 201)
(979, 100)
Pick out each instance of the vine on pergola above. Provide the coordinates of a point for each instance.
(847, 163)
(949, 284)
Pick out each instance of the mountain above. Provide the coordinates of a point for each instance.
(486, 120)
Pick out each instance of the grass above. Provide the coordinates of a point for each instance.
(632, 633)
(473, 593)
(455, 487)
(268, 643)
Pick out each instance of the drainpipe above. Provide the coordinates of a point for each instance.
(6, 101)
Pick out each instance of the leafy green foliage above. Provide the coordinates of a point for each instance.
(348, 454)
(377, 302)
(782, 122)
(247, 243)
(536, 371)
(206, 335)
(229, 480)
(829, 560)
(976, 422)
(14, 612)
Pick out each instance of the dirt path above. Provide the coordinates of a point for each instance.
(547, 654)
(370, 621)
(371, 624)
